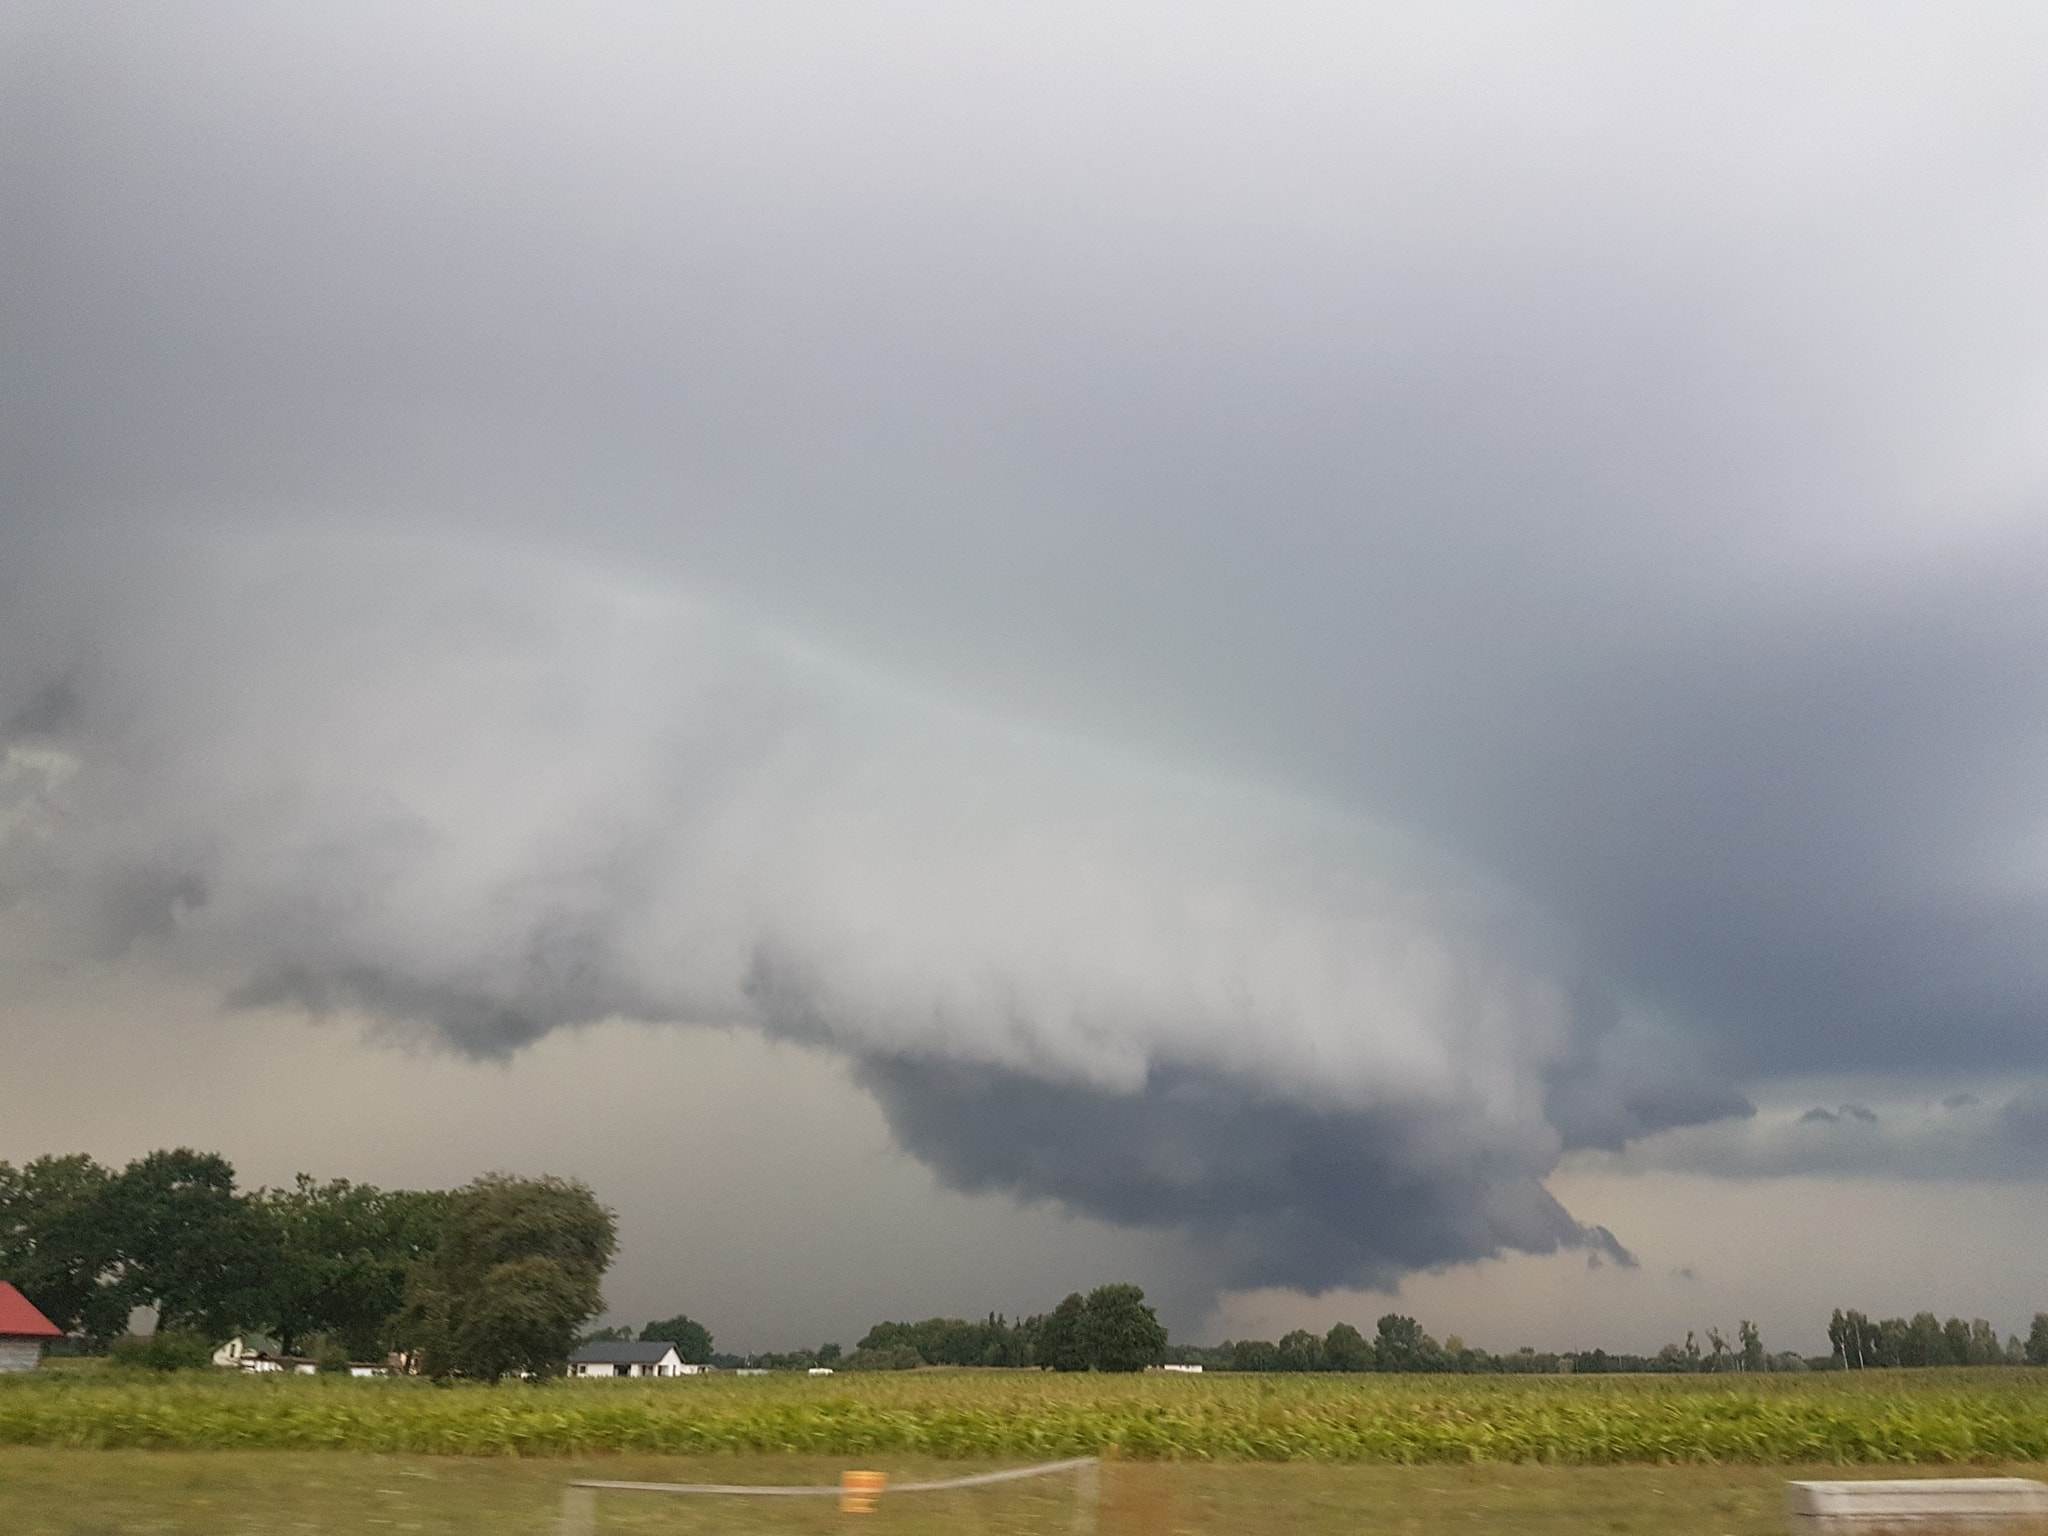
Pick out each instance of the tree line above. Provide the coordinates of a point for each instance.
(489, 1280)
(1858, 1344)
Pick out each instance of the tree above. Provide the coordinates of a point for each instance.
(1924, 1343)
(1718, 1347)
(517, 1271)
(1300, 1351)
(1345, 1349)
(1402, 1345)
(1254, 1355)
(2037, 1340)
(344, 1252)
(1752, 1345)
(1955, 1336)
(690, 1337)
(1119, 1331)
(1062, 1340)
(1984, 1348)
(188, 1245)
(56, 1243)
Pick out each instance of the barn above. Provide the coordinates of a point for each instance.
(23, 1331)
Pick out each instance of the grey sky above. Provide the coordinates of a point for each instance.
(1326, 611)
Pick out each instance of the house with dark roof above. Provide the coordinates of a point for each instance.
(23, 1331)
(631, 1357)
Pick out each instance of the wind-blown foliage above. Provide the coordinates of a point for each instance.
(1934, 1416)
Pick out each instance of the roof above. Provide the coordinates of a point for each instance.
(20, 1320)
(622, 1352)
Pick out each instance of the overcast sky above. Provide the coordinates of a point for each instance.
(961, 651)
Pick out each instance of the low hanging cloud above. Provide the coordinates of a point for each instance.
(483, 804)
(1964, 1137)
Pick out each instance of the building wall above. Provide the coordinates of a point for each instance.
(19, 1354)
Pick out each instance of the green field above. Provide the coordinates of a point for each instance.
(1933, 1417)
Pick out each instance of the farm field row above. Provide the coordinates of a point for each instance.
(1935, 1417)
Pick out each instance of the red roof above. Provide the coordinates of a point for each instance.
(20, 1320)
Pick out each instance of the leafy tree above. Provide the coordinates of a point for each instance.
(1924, 1342)
(2037, 1340)
(57, 1244)
(1955, 1337)
(1752, 1345)
(517, 1271)
(1062, 1338)
(1254, 1355)
(1402, 1345)
(828, 1354)
(189, 1246)
(1119, 1332)
(1300, 1351)
(1719, 1347)
(690, 1337)
(1345, 1349)
(1984, 1349)
(344, 1252)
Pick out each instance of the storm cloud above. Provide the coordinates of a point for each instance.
(1271, 626)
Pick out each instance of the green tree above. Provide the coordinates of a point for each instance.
(1924, 1343)
(1345, 1349)
(1300, 1351)
(690, 1337)
(344, 1252)
(1062, 1337)
(518, 1270)
(189, 1246)
(57, 1244)
(1403, 1346)
(1255, 1355)
(1119, 1332)
(1752, 1345)
(2037, 1340)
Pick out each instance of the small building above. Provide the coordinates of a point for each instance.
(1183, 1370)
(819, 1370)
(630, 1357)
(23, 1331)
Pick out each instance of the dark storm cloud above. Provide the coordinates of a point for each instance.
(1590, 454)
(1277, 1192)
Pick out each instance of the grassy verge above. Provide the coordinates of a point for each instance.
(214, 1493)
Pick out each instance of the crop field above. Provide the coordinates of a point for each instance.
(1929, 1417)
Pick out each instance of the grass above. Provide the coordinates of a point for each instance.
(1936, 1417)
(52, 1492)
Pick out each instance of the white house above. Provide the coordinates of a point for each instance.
(630, 1357)
(819, 1370)
(1184, 1370)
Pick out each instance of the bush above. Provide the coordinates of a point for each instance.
(164, 1351)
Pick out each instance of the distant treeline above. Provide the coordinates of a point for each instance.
(1400, 1344)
